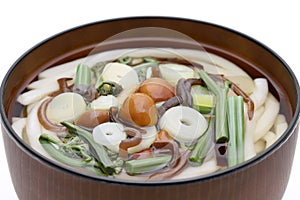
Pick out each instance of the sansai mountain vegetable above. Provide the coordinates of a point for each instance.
(203, 145)
(146, 165)
(221, 108)
(236, 130)
(96, 149)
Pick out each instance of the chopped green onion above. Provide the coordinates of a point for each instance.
(221, 109)
(146, 165)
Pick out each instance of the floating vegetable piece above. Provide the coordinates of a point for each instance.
(147, 140)
(221, 108)
(167, 147)
(109, 134)
(92, 118)
(45, 122)
(203, 146)
(134, 167)
(144, 70)
(139, 109)
(181, 164)
(114, 117)
(109, 88)
(183, 92)
(173, 72)
(121, 74)
(174, 101)
(235, 150)
(125, 60)
(83, 80)
(65, 107)
(96, 149)
(203, 101)
(163, 135)
(126, 93)
(104, 102)
(83, 75)
(183, 124)
(158, 89)
(134, 139)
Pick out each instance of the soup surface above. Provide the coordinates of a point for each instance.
(149, 114)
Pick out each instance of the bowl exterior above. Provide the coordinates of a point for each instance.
(265, 177)
(34, 180)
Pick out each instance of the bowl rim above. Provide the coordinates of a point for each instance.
(246, 164)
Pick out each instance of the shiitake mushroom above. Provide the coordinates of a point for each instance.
(158, 89)
(139, 109)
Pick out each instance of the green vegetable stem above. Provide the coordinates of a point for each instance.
(203, 146)
(133, 167)
(221, 108)
(83, 83)
(236, 130)
(55, 149)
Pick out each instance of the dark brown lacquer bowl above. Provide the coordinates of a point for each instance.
(262, 177)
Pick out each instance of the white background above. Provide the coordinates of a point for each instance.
(25, 23)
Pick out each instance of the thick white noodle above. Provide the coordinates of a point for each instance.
(249, 148)
(269, 138)
(19, 126)
(51, 80)
(36, 95)
(260, 145)
(34, 130)
(260, 92)
(266, 121)
(206, 168)
(59, 69)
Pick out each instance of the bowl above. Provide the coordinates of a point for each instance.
(264, 176)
